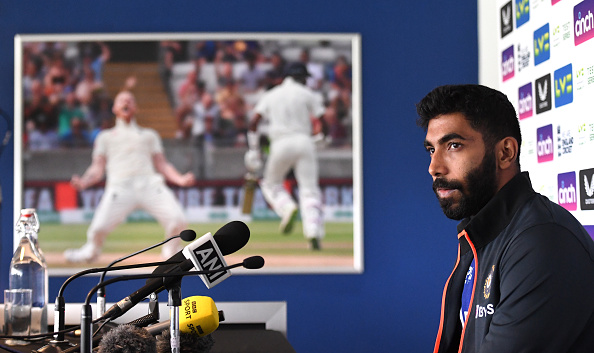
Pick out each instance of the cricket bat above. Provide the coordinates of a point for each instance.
(249, 186)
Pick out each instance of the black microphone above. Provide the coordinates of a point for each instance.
(86, 310)
(60, 304)
(230, 238)
(253, 262)
(128, 339)
(185, 235)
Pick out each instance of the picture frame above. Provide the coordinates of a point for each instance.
(166, 63)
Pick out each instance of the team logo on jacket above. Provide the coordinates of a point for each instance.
(488, 281)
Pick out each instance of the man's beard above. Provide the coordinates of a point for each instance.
(481, 185)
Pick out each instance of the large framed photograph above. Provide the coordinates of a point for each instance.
(199, 93)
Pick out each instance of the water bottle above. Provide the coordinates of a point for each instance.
(28, 268)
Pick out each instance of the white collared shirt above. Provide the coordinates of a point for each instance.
(288, 107)
(128, 150)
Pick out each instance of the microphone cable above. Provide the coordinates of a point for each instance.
(185, 235)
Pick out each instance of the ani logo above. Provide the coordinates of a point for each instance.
(488, 281)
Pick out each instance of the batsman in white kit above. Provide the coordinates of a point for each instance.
(289, 108)
(136, 168)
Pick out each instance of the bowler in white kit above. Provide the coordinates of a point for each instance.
(136, 168)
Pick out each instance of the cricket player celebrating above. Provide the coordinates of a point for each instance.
(136, 167)
(289, 108)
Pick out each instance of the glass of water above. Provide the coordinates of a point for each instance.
(17, 314)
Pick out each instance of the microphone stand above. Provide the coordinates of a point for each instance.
(59, 343)
(174, 304)
(254, 262)
(175, 280)
(86, 341)
(187, 235)
(86, 328)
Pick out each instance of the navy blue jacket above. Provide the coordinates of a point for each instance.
(533, 283)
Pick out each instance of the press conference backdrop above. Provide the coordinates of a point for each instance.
(408, 48)
(543, 58)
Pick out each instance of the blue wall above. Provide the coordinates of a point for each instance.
(407, 49)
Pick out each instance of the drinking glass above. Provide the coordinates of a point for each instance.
(17, 314)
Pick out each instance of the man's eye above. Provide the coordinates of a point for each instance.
(430, 150)
(454, 145)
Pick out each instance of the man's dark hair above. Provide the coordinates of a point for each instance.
(487, 110)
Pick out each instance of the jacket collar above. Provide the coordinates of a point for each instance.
(497, 213)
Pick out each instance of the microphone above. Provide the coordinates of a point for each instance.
(86, 310)
(198, 316)
(253, 262)
(230, 238)
(60, 306)
(185, 235)
(128, 339)
(188, 343)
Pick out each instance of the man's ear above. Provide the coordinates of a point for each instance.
(506, 152)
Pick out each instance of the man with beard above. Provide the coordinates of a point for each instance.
(523, 279)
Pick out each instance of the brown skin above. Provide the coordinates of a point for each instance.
(456, 149)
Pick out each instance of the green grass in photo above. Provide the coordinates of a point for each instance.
(265, 238)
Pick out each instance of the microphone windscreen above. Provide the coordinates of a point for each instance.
(232, 237)
(128, 339)
(253, 262)
(188, 343)
(187, 235)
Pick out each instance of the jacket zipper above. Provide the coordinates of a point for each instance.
(443, 298)
(476, 267)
